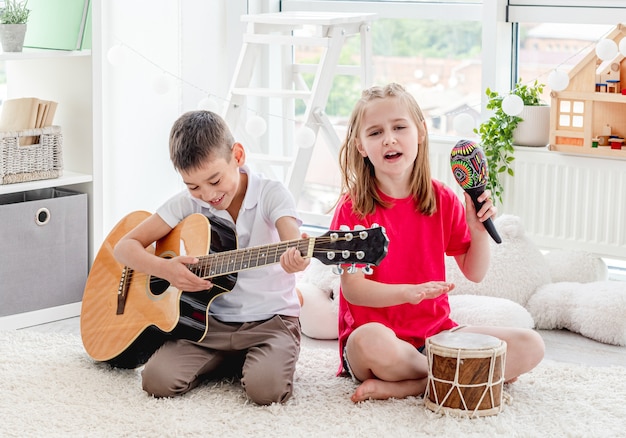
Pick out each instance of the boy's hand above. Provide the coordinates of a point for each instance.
(177, 272)
(292, 261)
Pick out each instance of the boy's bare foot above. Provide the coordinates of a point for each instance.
(381, 390)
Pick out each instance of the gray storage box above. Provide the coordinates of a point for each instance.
(44, 257)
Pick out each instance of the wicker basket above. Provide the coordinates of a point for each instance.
(43, 160)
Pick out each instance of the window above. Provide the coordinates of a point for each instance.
(545, 47)
(570, 114)
(436, 57)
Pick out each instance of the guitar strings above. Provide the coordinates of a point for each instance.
(261, 253)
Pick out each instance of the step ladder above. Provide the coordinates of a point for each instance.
(268, 46)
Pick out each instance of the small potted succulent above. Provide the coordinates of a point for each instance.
(13, 20)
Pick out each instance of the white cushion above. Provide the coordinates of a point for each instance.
(480, 310)
(575, 266)
(596, 310)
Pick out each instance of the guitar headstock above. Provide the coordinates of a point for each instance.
(360, 246)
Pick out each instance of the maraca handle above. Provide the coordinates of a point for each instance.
(489, 225)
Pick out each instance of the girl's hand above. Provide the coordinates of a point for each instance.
(488, 210)
(427, 291)
(177, 271)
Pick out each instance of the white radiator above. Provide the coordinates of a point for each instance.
(565, 201)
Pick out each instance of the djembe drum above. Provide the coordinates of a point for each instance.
(465, 374)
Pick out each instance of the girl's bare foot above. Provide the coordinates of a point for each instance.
(381, 390)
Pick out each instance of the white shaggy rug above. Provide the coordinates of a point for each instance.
(49, 387)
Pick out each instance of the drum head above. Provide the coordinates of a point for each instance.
(472, 341)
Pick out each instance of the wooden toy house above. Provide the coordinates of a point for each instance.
(589, 116)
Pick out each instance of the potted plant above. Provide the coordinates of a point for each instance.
(13, 19)
(503, 129)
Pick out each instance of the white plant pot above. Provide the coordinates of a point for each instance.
(12, 37)
(534, 129)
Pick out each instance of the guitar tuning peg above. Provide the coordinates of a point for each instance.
(338, 270)
(367, 270)
(360, 255)
(330, 255)
(345, 253)
(375, 225)
(352, 269)
(358, 227)
(344, 228)
(334, 237)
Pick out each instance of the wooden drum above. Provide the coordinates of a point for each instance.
(465, 374)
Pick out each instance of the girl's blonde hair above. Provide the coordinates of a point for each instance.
(358, 179)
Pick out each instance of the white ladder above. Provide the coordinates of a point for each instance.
(267, 32)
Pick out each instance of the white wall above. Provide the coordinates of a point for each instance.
(190, 43)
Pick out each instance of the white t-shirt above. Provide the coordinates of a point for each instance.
(259, 293)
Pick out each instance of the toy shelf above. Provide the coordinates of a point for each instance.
(581, 112)
(600, 109)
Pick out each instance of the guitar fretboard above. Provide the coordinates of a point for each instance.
(228, 262)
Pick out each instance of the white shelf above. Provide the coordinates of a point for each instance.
(29, 53)
(66, 179)
(42, 316)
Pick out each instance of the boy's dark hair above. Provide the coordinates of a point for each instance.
(197, 136)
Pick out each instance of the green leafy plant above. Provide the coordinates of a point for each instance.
(14, 12)
(496, 133)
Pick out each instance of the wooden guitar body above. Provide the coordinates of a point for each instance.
(126, 331)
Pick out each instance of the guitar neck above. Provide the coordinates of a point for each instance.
(228, 262)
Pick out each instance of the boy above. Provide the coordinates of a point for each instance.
(253, 330)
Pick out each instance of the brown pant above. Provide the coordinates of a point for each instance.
(263, 354)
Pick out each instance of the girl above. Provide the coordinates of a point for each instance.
(385, 317)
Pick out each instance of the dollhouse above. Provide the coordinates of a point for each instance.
(589, 115)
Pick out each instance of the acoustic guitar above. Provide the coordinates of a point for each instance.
(127, 315)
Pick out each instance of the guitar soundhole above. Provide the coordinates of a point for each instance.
(158, 285)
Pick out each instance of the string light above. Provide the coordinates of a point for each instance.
(606, 49)
(117, 55)
(622, 46)
(256, 126)
(464, 124)
(208, 104)
(161, 84)
(558, 80)
(305, 137)
(512, 105)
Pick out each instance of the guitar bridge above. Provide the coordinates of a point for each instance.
(122, 290)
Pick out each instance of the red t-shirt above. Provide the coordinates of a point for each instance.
(416, 251)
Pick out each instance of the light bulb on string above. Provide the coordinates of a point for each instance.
(208, 104)
(622, 46)
(464, 124)
(305, 137)
(512, 105)
(606, 49)
(558, 80)
(256, 126)
(117, 55)
(161, 84)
